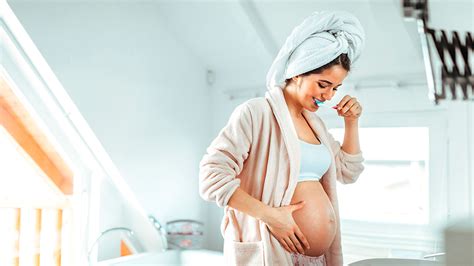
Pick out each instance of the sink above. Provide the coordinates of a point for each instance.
(169, 257)
(396, 262)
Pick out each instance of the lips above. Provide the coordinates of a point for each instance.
(317, 102)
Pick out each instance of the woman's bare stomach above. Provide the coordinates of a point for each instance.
(316, 219)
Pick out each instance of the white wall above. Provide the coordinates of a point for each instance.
(143, 94)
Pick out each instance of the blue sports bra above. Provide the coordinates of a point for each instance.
(315, 161)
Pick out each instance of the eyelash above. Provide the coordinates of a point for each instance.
(323, 87)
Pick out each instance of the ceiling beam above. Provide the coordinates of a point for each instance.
(248, 6)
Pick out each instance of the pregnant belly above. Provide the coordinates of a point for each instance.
(316, 219)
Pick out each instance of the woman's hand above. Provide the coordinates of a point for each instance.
(349, 108)
(282, 225)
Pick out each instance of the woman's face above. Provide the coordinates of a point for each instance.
(321, 86)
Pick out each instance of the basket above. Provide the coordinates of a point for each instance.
(185, 234)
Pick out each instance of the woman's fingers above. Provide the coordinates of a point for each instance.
(284, 228)
(354, 111)
(301, 237)
(297, 244)
(290, 244)
(285, 246)
(348, 105)
(297, 206)
(358, 109)
(343, 102)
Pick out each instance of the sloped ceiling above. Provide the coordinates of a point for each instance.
(239, 40)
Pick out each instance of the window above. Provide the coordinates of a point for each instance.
(394, 186)
(398, 206)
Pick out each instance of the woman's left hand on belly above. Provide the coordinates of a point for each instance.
(281, 224)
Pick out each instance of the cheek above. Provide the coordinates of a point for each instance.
(305, 98)
(310, 94)
(312, 90)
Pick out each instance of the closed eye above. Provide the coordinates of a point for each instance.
(323, 87)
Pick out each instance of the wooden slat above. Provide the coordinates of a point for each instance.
(17, 244)
(59, 245)
(38, 213)
(67, 243)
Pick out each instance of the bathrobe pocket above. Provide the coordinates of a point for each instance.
(243, 253)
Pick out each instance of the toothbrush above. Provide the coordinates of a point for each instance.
(319, 103)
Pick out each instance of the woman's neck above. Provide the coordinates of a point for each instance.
(294, 107)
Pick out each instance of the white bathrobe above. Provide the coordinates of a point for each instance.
(258, 150)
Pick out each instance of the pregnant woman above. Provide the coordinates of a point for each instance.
(274, 165)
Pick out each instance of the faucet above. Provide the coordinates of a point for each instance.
(161, 230)
(128, 230)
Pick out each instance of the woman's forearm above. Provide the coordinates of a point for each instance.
(351, 137)
(242, 201)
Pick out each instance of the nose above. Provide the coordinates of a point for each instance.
(327, 96)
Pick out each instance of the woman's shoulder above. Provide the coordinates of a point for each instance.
(257, 105)
(255, 109)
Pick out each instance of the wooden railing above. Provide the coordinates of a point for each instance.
(34, 236)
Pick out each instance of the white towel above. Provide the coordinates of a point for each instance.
(318, 40)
